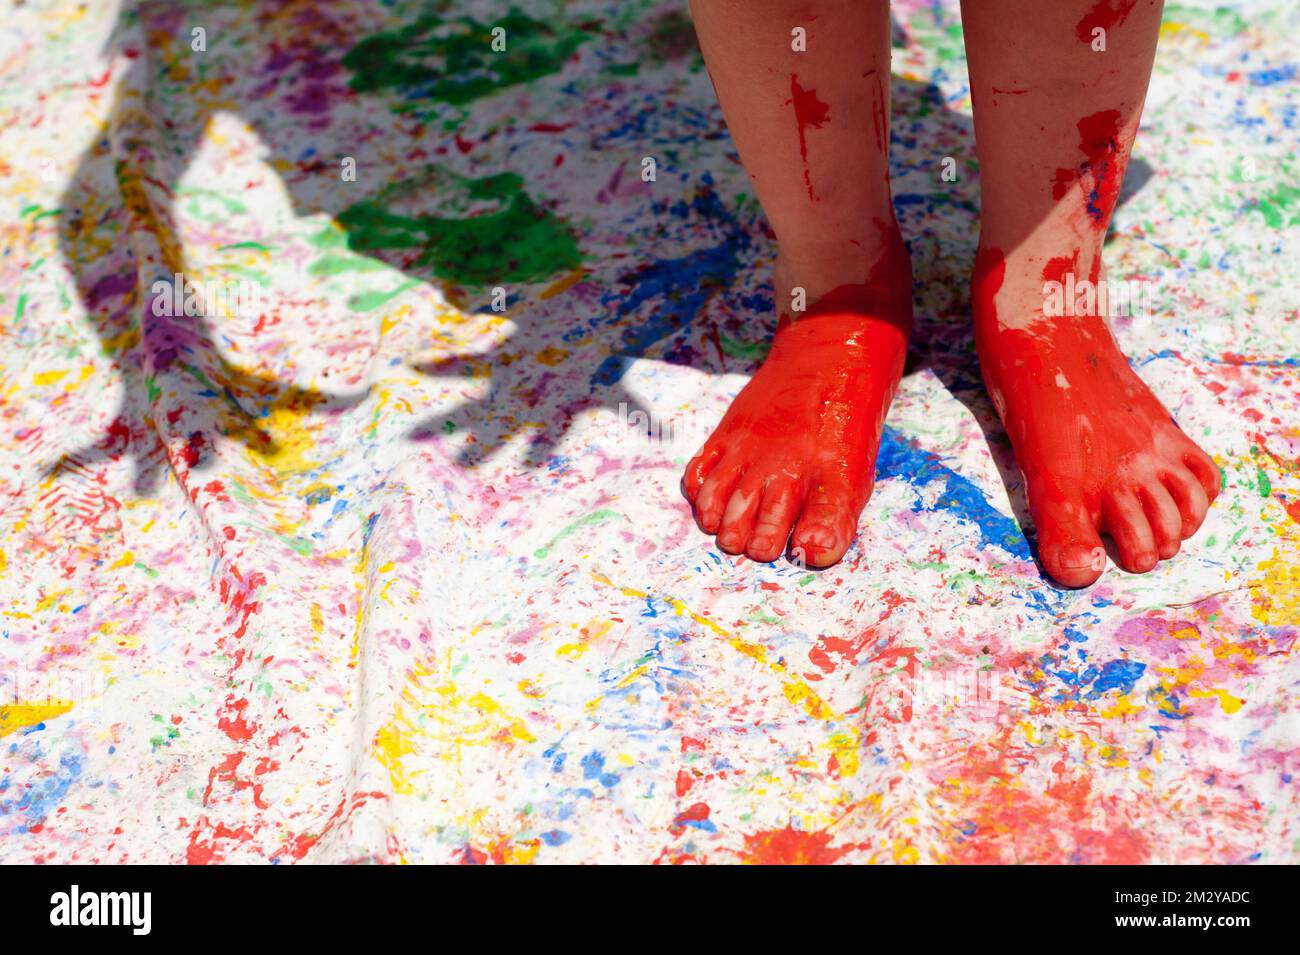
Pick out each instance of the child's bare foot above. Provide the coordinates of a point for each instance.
(796, 451)
(1098, 451)
(1054, 124)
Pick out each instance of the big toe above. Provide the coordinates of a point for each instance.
(1068, 544)
(826, 526)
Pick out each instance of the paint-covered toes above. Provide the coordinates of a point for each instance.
(782, 501)
(740, 514)
(1188, 494)
(1127, 525)
(698, 470)
(1163, 518)
(715, 494)
(1068, 543)
(826, 527)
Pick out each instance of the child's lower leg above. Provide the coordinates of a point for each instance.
(796, 450)
(1055, 117)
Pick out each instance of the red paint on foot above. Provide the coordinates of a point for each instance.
(796, 450)
(1058, 268)
(1098, 450)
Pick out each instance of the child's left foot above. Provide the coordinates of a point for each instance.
(1098, 450)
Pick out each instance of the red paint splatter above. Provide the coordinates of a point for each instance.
(1107, 14)
(808, 111)
(696, 813)
(790, 846)
(1058, 268)
(684, 782)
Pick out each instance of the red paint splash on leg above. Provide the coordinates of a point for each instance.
(1107, 14)
(808, 111)
(1099, 141)
(1101, 173)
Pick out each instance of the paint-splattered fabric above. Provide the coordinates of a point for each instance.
(338, 562)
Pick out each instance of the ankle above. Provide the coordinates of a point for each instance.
(1032, 280)
(869, 272)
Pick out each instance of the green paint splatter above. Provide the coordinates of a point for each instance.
(747, 350)
(596, 517)
(199, 204)
(517, 241)
(1276, 207)
(299, 545)
(338, 264)
(168, 733)
(454, 61)
(368, 301)
(254, 246)
(1264, 485)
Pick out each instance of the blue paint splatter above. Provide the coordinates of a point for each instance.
(593, 767)
(1274, 76)
(41, 798)
(678, 288)
(901, 458)
(1119, 675)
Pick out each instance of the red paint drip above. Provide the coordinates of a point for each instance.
(808, 111)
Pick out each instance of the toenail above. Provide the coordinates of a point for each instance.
(1096, 560)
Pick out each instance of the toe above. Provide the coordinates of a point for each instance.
(1068, 544)
(781, 504)
(1163, 518)
(1127, 524)
(826, 526)
(1206, 471)
(740, 514)
(698, 470)
(715, 494)
(1189, 496)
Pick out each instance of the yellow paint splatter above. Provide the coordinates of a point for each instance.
(564, 283)
(1227, 702)
(17, 716)
(794, 689)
